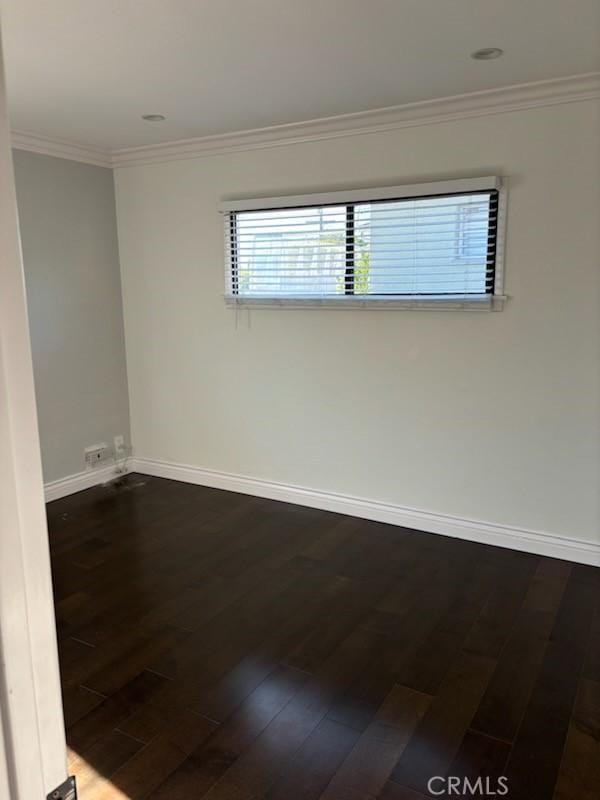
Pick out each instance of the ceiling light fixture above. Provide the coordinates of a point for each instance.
(487, 53)
(153, 117)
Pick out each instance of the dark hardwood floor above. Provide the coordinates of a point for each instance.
(221, 646)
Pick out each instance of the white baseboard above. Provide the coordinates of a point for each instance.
(528, 541)
(76, 483)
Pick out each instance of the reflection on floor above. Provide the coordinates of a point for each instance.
(224, 646)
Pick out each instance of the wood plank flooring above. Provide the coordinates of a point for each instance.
(226, 647)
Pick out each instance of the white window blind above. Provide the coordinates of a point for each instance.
(432, 242)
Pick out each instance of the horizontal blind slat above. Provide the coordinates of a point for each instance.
(300, 228)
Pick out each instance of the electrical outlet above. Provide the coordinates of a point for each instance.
(119, 443)
(96, 454)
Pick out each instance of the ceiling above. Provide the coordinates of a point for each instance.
(86, 70)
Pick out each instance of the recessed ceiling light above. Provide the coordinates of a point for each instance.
(487, 53)
(153, 117)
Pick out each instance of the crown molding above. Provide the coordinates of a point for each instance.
(60, 148)
(427, 112)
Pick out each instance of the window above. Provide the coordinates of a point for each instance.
(427, 245)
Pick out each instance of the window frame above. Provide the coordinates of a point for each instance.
(490, 301)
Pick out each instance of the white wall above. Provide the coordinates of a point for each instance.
(487, 416)
(71, 260)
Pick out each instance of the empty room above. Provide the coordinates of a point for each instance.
(300, 400)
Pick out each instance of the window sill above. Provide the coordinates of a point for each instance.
(376, 303)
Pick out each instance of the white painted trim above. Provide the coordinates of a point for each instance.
(375, 193)
(525, 540)
(76, 483)
(427, 112)
(60, 148)
(465, 302)
(31, 713)
(475, 104)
